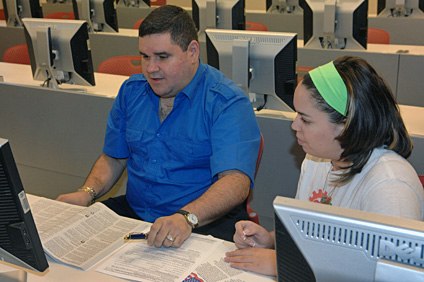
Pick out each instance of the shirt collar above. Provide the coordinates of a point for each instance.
(191, 89)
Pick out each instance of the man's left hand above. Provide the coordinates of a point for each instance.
(169, 231)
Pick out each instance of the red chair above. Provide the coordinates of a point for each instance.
(2, 16)
(61, 16)
(253, 216)
(17, 54)
(378, 36)
(122, 65)
(301, 71)
(421, 177)
(137, 23)
(256, 26)
(157, 2)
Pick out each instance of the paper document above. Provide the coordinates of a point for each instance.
(80, 236)
(215, 269)
(139, 262)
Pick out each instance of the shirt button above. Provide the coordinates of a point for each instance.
(154, 161)
(158, 135)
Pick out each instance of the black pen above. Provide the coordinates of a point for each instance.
(136, 236)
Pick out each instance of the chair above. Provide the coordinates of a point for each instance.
(61, 16)
(421, 177)
(378, 36)
(301, 71)
(157, 2)
(122, 65)
(137, 23)
(2, 16)
(17, 54)
(253, 216)
(256, 26)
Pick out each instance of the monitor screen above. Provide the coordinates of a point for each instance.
(59, 51)
(283, 6)
(134, 3)
(400, 8)
(317, 242)
(331, 24)
(99, 14)
(16, 10)
(221, 14)
(262, 63)
(19, 241)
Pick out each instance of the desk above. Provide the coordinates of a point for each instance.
(56, 135)
(406, 31)
(401, 70)
(400, 65)
(104, 45)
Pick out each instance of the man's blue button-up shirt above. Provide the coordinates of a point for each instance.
(211, 128)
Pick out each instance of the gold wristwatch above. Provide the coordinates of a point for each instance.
(91, 192)
(190, 217)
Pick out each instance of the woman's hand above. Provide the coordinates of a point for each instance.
(249, 234)
(263, 261)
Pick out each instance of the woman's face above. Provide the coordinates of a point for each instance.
(314, 132)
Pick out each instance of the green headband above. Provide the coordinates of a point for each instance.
(331, 86)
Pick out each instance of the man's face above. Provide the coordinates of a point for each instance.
(167, 68)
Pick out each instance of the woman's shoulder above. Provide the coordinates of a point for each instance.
(387, 164)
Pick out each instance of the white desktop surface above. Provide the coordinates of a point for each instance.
(382, 48)
(63, 273)
(106, 84)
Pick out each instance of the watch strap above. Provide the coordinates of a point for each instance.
(186, 214)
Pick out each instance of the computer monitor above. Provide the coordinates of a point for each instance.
(16, 10)
(331, 24)
(59, 51)
(134, 3)
(400, 8)
(20, 244)
(99, 14)
(219, 14)
(262, 63)
(317, 242)
(283, 6)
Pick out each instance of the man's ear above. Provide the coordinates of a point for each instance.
(194, 50)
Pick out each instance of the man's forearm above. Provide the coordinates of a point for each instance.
(225, 194)
(105, 173)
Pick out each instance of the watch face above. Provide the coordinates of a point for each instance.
(192, 218)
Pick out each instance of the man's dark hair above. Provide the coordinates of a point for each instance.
(173, 20)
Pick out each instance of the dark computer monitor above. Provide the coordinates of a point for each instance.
(134, 3)
(99, 14)
(317, 242)
(59, 51)
(262, 63)
(19, 241)
(400, 8)
(283, 6)
(16, 10)
(331, 24)
(219, 14)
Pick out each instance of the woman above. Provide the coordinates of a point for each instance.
(349, 125)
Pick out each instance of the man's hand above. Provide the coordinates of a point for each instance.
(165, 228)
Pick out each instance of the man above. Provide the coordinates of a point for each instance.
(187, 136)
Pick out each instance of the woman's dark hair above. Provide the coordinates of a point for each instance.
(172, 19)
(372, 118)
